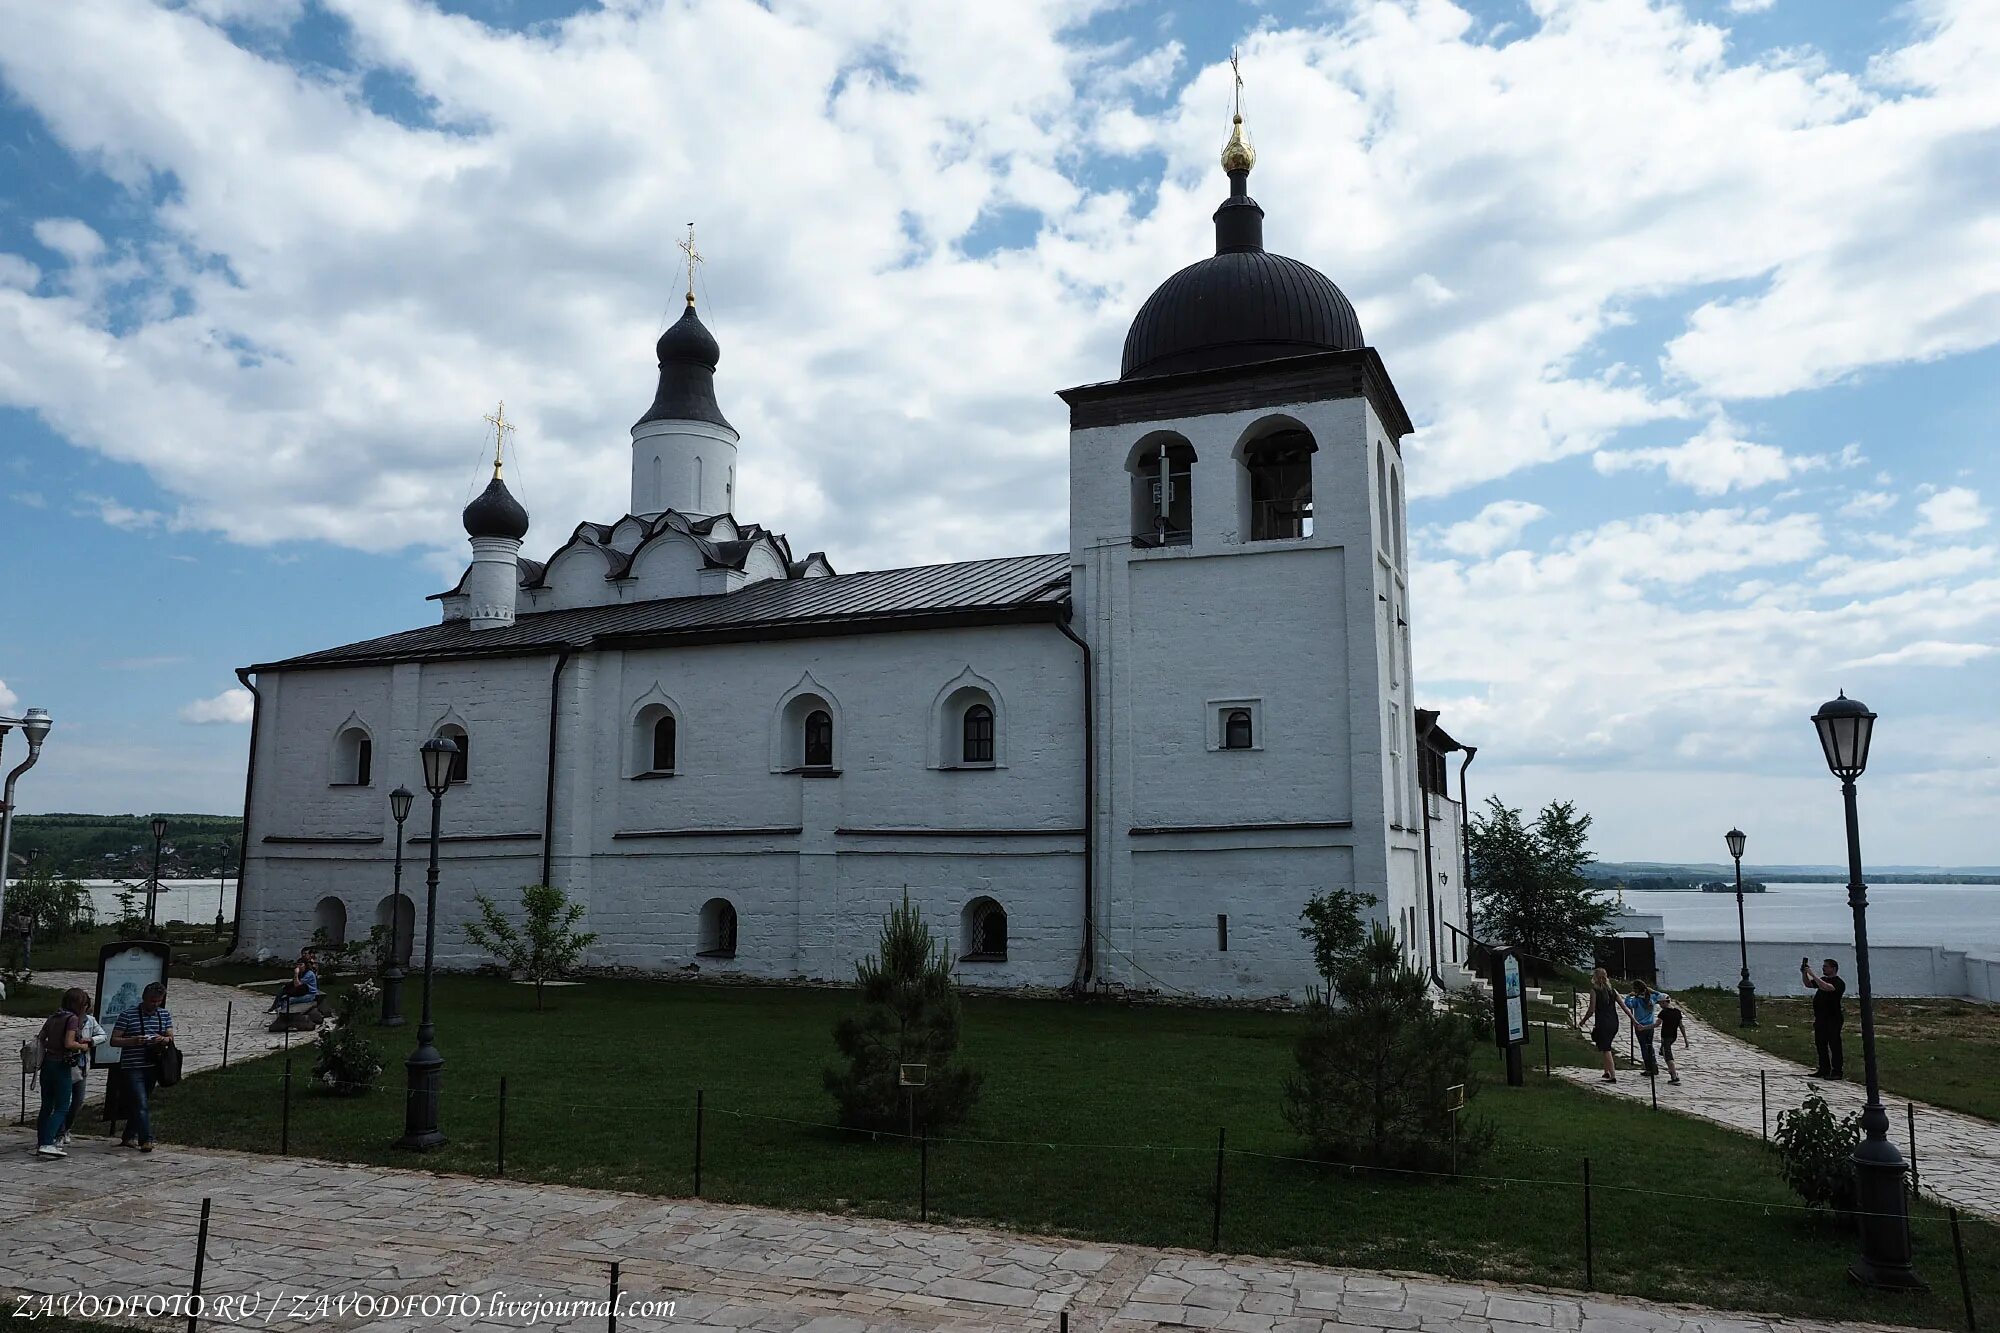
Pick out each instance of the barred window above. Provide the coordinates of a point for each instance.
(978, 740)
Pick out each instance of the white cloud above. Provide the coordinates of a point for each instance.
(1954, 509)
(1713, 462)
(1498, 525)
(8, 698)
(1750, 6)
(1929, 652)
(30, 499)
(1843, 575)
(1867, 504)
(232, 707)
(118, 514)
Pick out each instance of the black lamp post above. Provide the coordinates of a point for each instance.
(153, 888)
(392, 975)
(425, 1067)
(1746, 994)
(1845, 729)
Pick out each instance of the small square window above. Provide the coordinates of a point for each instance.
(1235, 724)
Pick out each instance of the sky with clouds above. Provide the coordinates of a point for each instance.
(1695, 307)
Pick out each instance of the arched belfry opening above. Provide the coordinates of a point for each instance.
(1162, 471)
(1277, 476)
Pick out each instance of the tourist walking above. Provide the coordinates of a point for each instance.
(62, 1046)
(1643, 1004)
(142, 1033)
(1828, 1015)
(1602, 1017)
(1671, 1031)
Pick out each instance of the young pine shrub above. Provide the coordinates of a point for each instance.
(1816, 1152)
(909, 1014)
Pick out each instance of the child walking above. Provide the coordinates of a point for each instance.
(1671, 1031)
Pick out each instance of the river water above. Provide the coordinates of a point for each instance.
(1957, 915)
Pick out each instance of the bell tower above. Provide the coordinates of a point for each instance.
(1237, 568)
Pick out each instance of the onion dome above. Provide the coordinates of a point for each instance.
(495, 512)
(688, 355)
(1244, 304)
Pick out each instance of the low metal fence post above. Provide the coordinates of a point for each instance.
(500, 1140)
(1763, 1108)
(1215, 1227)
(1589, 1258)
(285, 1115)
(1548, 1066)
(1911, 1107)
(200, 1257)
(228, 1021)
(924, 1177)
(611, 1315)
(697, 1142)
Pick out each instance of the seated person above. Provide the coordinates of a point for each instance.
(302, 991)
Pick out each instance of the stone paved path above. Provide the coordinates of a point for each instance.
(200, 1010)
(1958, 1156)
(125, 1224)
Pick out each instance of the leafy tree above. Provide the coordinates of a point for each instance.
(546, 946)
(1377, 1060)
(1816, 1152)
(54, 904)
(1528, 882)
(909, 1015)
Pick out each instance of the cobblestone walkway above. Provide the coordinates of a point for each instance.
(117, 1223)
(1957, 1156)
(200, 1009)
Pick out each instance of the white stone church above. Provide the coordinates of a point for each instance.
(1127, 764)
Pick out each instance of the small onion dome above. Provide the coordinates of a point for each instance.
(496, 513)
(1242, 305)
(688, 356)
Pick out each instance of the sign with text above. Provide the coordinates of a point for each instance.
(124, 969)
(1510, 1000)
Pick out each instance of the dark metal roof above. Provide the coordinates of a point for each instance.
(974, 592)
(688, 357)
(1241, 305)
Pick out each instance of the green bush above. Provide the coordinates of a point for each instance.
(909, 1015)
(348, 1063)
(1816, 1152)
(547, 945)
(1378, 1062)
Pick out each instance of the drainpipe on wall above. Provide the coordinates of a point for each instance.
(249, 789)
(549, 793)
(1465, 831)
(1430, 877)
(1086, 967)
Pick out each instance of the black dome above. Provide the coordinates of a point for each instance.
(1242, 305)
(688, 356)
(496, 513)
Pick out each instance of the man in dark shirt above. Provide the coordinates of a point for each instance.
(1827, 988)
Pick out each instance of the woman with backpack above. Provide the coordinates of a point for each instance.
(63, 1045)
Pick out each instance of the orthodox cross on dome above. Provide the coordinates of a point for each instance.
(694, 257)
(1237, 154)
(498, 420)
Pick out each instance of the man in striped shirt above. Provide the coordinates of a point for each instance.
(139, 1032)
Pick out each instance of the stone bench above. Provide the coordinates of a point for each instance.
(301, 1015)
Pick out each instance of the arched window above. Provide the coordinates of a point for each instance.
(818, 739)
(718, 929)
(461, 763)
(1396, 518)
(330, 923)
(1162, 471)
(1383, 534)
(1279, 467)
(1236, 734)
(396, 915)
(663, 743)
(982, 927)
(353, 758)
(977, 746)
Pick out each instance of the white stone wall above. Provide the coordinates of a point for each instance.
(1894, 969)
(1291, 629)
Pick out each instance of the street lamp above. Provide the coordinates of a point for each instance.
(1746, 994)
(1845, 729)
(392, 975)
(425, 1067)
(153, 888)
(34, 725)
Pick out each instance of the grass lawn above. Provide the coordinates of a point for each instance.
(1945, 1052)
(77, 952)
(1096, 1121)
